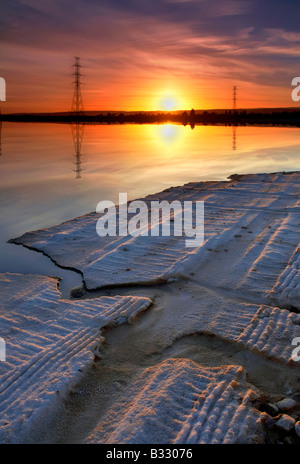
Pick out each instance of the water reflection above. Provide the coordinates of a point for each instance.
(77, 135)
(234, 137)
(38, 188)
(168, 133)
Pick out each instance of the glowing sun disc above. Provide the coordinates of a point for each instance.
(168, 102)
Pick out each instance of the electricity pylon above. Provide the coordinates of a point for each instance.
(77, 103)
(77, 109)
(234, 97)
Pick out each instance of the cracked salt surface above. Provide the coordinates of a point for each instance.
(251, 231)
(237, 288)
(49, 341)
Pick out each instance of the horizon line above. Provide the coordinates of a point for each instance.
(154, 111)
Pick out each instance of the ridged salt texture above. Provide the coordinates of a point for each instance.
(251, 233)
(250, 254)
(179, 401)
(261, 329)
(271, 332)
(287, 290)
(48, 342)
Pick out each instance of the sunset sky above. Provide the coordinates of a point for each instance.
(149, 54)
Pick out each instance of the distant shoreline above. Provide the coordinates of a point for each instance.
(281, 117)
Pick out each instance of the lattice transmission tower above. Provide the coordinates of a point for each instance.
(234, 97)
(77, 126)
(77, 103)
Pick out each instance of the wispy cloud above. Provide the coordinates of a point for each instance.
(127, 44)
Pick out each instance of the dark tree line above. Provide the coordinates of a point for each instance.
(192, 118)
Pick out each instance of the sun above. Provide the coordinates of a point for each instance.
(169, 98)
(168, 102)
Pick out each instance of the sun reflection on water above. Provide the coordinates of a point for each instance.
(168, 134)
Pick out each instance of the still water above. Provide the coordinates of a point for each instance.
(50, 173)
